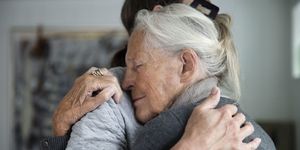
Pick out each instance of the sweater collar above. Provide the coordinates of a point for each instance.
(196, 92)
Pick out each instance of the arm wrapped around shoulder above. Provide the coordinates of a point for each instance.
(102, 128)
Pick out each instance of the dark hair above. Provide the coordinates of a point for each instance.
(131, 7)
(119, 58)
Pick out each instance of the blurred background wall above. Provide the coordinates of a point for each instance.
(262, 30)
(295, 83)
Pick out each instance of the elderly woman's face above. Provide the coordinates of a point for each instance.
(152, 77)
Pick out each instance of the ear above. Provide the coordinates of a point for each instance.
(157, 8)
(189, 60)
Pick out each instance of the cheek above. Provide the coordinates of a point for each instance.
(156, 96)
(159, 97)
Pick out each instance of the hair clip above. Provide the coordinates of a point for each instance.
(213, 9)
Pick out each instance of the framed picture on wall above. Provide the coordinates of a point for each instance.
(46, 63)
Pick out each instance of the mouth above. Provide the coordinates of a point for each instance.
(138, 98)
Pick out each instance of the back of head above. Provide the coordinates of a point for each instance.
(179, 26)
(131, 7)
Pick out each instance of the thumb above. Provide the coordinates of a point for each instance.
(212, 100)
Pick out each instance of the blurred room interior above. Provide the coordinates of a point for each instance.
(266, 33)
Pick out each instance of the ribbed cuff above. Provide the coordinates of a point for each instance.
(54, 143)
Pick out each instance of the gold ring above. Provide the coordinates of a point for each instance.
(97, 72)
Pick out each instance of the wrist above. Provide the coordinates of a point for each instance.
(190, 143)
(60, 129)
(182, 144)
(186, 144)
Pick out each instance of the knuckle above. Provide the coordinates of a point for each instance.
(226, 111)
(105, 95)
(232, 106)
(199, 109)
(243, 117)
(251, 128)
(240, 117)
(115, 79)
(92, 69)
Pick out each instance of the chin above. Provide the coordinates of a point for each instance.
(143, 117)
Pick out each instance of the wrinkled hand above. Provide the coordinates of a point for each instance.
(81, 99)
(215, 129)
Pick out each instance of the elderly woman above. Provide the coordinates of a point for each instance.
(175, 57)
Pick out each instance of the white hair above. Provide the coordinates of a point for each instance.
(178, 26)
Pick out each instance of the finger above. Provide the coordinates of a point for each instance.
(94, 87)
(117, 96)
(92, 103)
(106, 72)
(112, 81)
(116, 90)
(254, 143)
(92, 69)
(246, 130)
(212, 100)
(229, 109)
(101, 83)
(239, 118)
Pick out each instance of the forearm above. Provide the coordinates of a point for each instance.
(60, 128)
(103, 128)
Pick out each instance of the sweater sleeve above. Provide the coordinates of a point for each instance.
(102, 128)
(54, 143)
(165, 130)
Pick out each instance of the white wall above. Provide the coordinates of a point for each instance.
(296, 82)
(261, 32)
(66, 13)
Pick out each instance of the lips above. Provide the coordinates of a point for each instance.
(138, 98)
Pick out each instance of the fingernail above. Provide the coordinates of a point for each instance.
(214, 91)
(259, 140)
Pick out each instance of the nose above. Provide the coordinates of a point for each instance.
(128, 81)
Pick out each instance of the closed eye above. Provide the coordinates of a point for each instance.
(138, 66)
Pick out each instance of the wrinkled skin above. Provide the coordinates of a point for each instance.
(79, 100)
(151, 80)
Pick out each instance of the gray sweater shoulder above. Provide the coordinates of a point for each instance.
(169, 127)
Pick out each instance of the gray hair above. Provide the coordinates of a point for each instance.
(178, 26)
